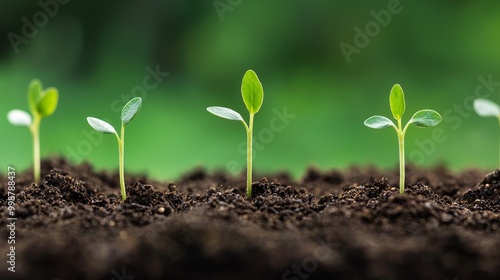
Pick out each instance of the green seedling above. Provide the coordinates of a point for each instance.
(486, 108)
(128, 113)
(253, 96)
(42, 103)
(422, 118)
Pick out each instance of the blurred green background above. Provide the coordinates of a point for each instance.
(99, 55)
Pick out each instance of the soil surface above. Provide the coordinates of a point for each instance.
(349, 224)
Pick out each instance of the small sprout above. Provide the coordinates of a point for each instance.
(422, 118)
(486, 108)
(128, 113)
(253, 96)
(42, 103)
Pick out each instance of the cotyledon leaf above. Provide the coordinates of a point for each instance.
(378, 122)
(225, 113)
(101, 126)
(131, 109)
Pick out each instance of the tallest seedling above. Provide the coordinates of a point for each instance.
(253, 96)
(422, 118)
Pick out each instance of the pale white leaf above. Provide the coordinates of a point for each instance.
(486, 108)
(101, 125)
(19, 117)
(225, 113)
(378, 122)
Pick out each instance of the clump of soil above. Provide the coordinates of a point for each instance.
(330, 225)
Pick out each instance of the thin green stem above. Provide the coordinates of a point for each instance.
(121, 150)
(499, 147)
(401, 144)
(249, 157)
(35, 132)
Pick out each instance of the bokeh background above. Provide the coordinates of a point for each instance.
(98, 55)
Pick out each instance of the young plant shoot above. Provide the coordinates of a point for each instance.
(128, 113)
(42, 103)
(486, 108)
(253, 96)
(422, 118)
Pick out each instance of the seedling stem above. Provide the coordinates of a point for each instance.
(121, 164)
(35, 132)
(253, 96)
(401, 143)
(499, 144)
(128, 113)
(42, 103)
(422, 118)
(487, 108)
(249, 156)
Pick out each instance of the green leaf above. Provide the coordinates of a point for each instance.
(486, 108)
(34, 93)
(47, 103)
(378, 122)
(101, 126)
(19, 117)
(425, 118)
(252, 92)
(225, 113)
(397, 102)
(131, 109)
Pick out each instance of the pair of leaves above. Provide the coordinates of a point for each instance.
(422, 118)
(486, 108)
(42, 103)
(129, 111)
(253, 97)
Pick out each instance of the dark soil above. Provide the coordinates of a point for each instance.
(330, 225)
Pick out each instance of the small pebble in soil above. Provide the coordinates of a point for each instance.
(164, 210)
(67, 213)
